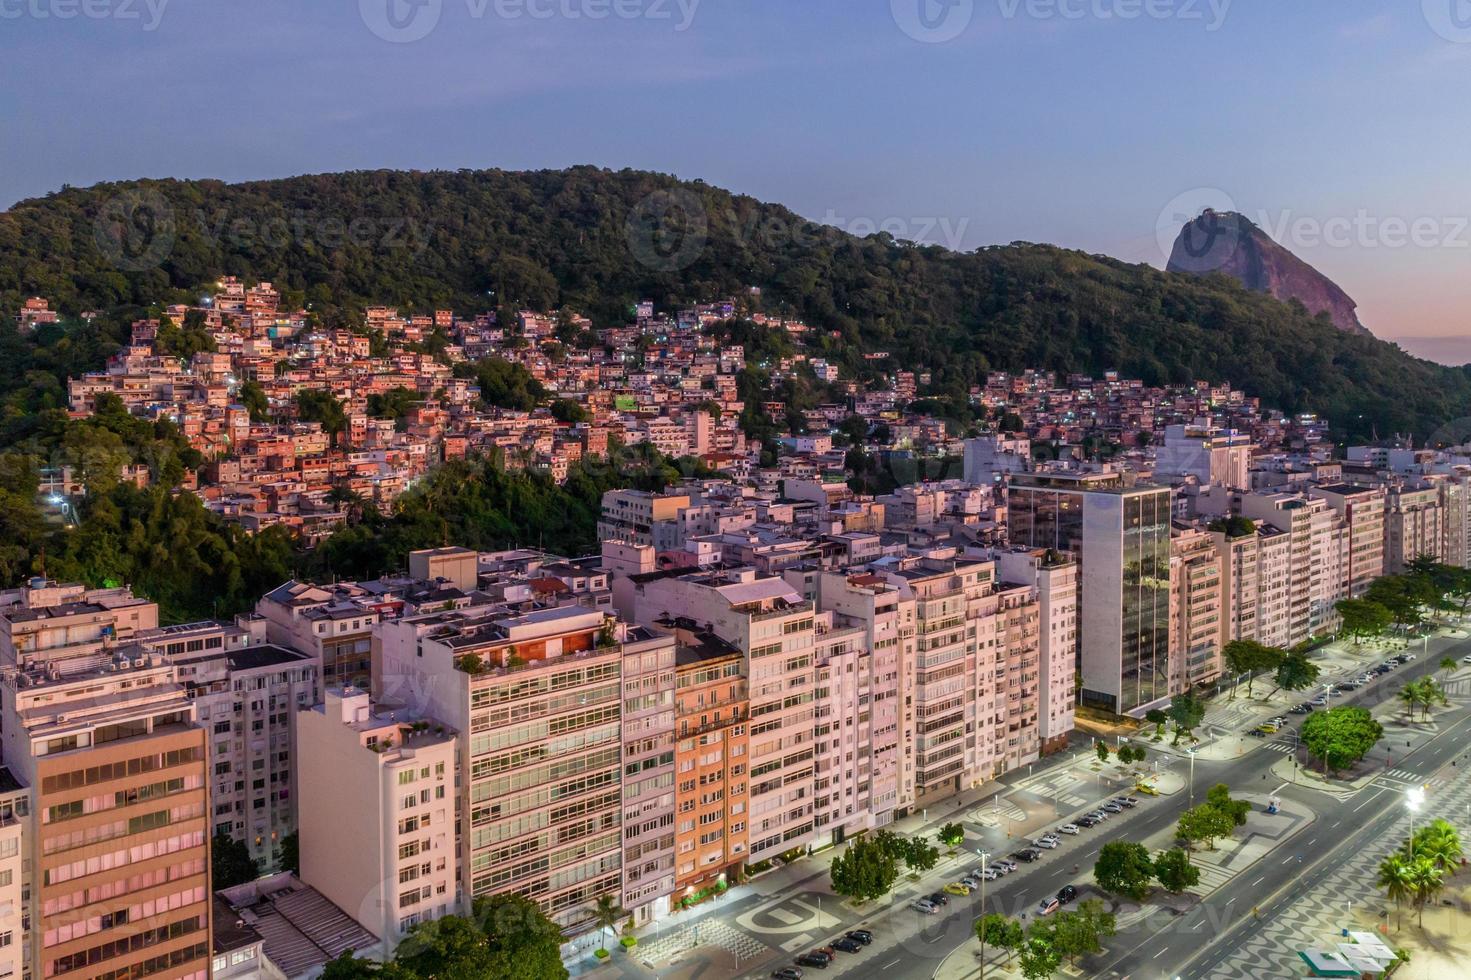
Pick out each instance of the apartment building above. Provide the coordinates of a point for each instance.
(333, 624)
(631, 516)
(1413, 525)
(1120, 534)
(876, 607)
(379, 834)
(537, 699)
(246, 694)
(1213, 456)
(774, 627)
(108, 786)
(15, 939)
(650, 757)
(1197, 607)
(117, 838)
(1054, 575)
(1362, 512)
(712, 712)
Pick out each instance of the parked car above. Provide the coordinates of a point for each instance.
(1405, 658)
(924, 905)
(1127, 802)
(1346, 686)
(1258, 732)
(1302, 709)
(1267, 728)
(1067, 893)
(1466, 659)
(1047, 906)
(991, 873)
(938, 898)
(861, 936)
(1112, 807)
(1099, 814)
(1007, 863)
(847, 945)
(971, 881)
(827, 951)
(1069, 828)
(817, 960)
(1088, 820)
(1043, 842)
(787, 973)
(1146, 789)
(1028, 854)
(957, 888)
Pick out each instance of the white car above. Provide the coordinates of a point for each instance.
(1407, 657)
(1070, 828)
(990, 874)
(924, 905)
(1099, 814)
(1044, 842)
(1466, 659)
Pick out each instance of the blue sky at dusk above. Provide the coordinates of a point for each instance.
(1340, 125)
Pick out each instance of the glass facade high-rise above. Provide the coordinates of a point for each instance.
(1121, 537)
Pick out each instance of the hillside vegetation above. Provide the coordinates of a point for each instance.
(598, 240)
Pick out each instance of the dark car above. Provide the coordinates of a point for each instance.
(818, 960)
(1066, 894)
(1029, 855)
(861, 936)
(787, 973)
(1301, 709)
(1086, 821)
(847, 945)
(938, 898)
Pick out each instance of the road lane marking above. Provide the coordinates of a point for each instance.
(1254, 884)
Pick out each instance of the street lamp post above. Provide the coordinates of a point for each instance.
(1414, 798)
(1191, 753)
(984, 857)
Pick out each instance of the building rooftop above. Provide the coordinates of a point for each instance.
(301, 928)
(263, 655)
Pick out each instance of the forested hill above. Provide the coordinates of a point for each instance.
(599, 240)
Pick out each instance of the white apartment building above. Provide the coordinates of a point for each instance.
(538, 701)
(378, 827)
(15, 808)
(775, 627)
(1413, 525)
(1055, 577)
(1214, 457)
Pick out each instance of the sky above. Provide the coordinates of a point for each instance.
(1340, 126)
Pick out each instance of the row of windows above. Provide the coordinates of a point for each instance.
(122, 947)
(119, 770)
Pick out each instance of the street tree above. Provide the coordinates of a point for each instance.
(1187, 712)
(1205, 823)
(952, 835)
(1219, 796)
(231, 863)
(523, 943)
(1039, 958)
(1081, 932)
(1001, 932)
(1102, 752)
(1296, 672)
(920, 855)
(1157, 718)
(865, 871)
(1250, 658)
(1447, 667)
(1124, 868)
(1364, 618)
(1340, 737)
(1174, 871)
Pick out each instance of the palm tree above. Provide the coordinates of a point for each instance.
(1410, 695)
(1426, 881)
(1447, 664)
(1394, 878)
(1441, 844)
(607, 913)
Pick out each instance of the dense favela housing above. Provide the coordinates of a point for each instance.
(865, 598)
